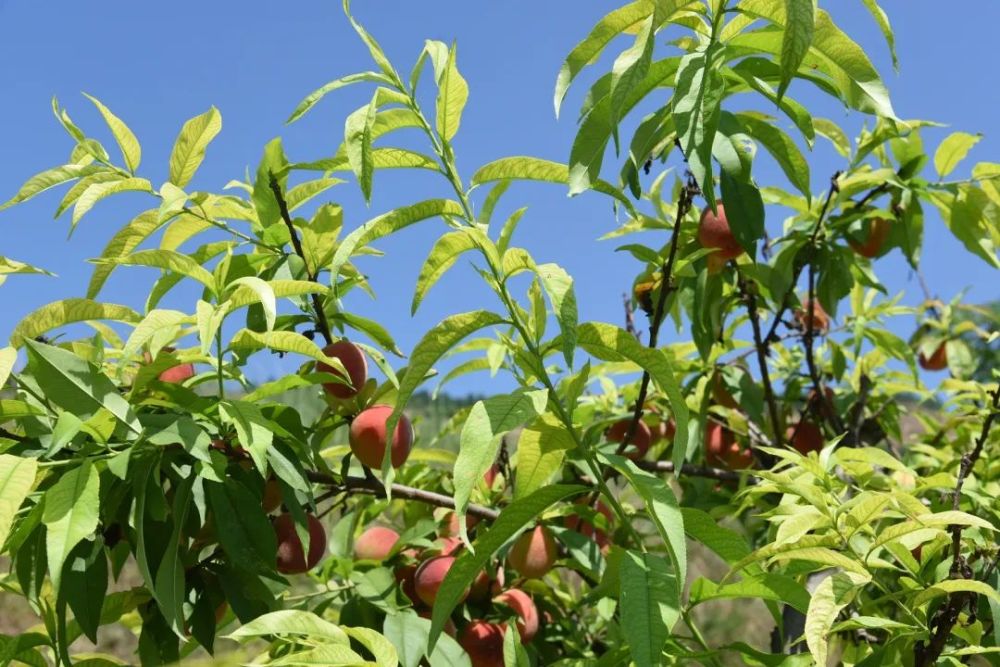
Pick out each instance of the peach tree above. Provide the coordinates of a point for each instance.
(749, 411)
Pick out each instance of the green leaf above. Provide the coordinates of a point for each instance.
(127, 142)
(833, 594)
(650, 605)
(610, 343)
(453, 92)
(479, 442)
(699, 91)
(325, 655)
(8, 357)
(246, 535)
(10, 266)
(663, 509)
(541, 448)
(953, 150)
(265, 295)
(469, 564)
(273, 163)
(189, 148)
(782, 149)
(949, 586)
(833, 52)
(386, 224)
(358, 142)
(167, 260)
(535, 169)
(587, 51)
(282, 341)
(312, 98)
(767, 586)
(156, 321)
(937, 520)
(827, 128)
(883, 23)
(632, 65)
(99, 191)
(121, 244)
(291, 623)
(76, 385)
(373, 47)
(253, 430)
(48, 179)
(303, 192)
(408, 633)
(85, 585)
(380, 647)
(60, 313)
(17, 476)
(446, 251)
(558, 286)
(70, 515)
(427, 352)
(797, 39)
(971, 217)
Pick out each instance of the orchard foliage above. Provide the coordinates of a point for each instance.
(759, 419)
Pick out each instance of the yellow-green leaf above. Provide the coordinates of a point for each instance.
(17, 476)
(189, 148)
(953, 150)
(126, 140)
(60, 313)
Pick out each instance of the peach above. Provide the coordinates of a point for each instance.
(722, 449)
(805, 437)
(586, 528)
(483, 641)
(877, 232)
(490, 476)
(428, 578)
(367, 437)
(177, 374)
(665, 430)
(714, 232)
(405, 578)
(524, 607)
(353, 359)
(449, 526)
(272, 496)
(721, 393)
(937, 361)
(534, 553)
(484, 585)
(375, 543)
(291, 556)
(820, 321)
(641, 439)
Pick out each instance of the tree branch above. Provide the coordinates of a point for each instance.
(321, 321)
(947, 616)
(761, 346)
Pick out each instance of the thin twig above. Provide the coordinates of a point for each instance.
(808, 340)
(321, 321)
(372, 487)
(761, 347)
(692, 470)
(947, 617)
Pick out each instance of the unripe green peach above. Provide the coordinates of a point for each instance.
(354, 362)
(375, 543)
(367, 437)
(291, 556)
(524, 607)
(534, 553)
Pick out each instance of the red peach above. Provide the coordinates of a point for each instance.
(665, 430)
(484, 585)
(714, 232)
(375, 543)
(937, 361)
(534, 553)
(878, 231)
(429, 576)
(483, 641)
(586, 528)
(820, 320)
(405, 578)
(272, 496)
(524, 607)
(291, 556)
(354, 362)
(805, 437)
(722, 449)
(641, 439)
(367, 437)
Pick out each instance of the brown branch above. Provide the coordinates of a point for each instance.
(786, 299)
(666, 287)
(321, 321)
(947, 617)
(373, 487)
(761, 347)
(694, 470)
(858, 411)
(808, 340)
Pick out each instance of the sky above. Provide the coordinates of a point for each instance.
(157, 64)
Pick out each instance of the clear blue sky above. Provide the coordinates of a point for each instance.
(157, 64)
